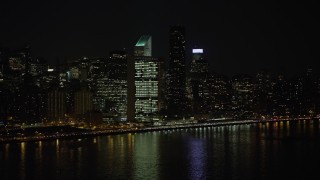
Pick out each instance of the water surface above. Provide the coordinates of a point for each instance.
(275, 150)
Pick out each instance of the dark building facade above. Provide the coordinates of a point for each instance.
(56, 105)
(197, 74)
(176, 79)
(113, 87)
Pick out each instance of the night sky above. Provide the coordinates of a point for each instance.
(237, 36)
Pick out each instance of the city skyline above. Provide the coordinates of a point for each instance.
(159, 90)
(237, 37)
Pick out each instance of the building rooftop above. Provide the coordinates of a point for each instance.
(143, 40)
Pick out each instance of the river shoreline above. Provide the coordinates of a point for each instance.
(94, 133)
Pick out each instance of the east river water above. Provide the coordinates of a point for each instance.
(272, 150)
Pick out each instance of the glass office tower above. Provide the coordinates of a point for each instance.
(147, 70)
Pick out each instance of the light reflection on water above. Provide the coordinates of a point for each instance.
(22, 159)
(258, 151)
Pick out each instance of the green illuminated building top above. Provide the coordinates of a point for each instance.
(143, 46)
(143, 40)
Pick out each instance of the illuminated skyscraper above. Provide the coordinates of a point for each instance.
(143, 47)
(117, 73)
(147, 75)
(112, 88)
(196, 76)
(107, 79)
(242, 95)
(199, 65)
(176, 81)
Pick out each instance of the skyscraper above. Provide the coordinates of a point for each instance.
(143, 47)
(197, 74)
(198, 65)
(147, 75)
(107, 79)
(176, 82)
(56, 105)
(115, 86)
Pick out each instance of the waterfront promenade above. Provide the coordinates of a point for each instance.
(91, 133)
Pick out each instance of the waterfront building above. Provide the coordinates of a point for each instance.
(242, 96)
(109, 84)
(96, 68)
(176, 79)
(281, 97)
(82, 103)
(146, 80)
(217, 95)
(263, 93)
(116, 71)
(197, 74)
(56, 105)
